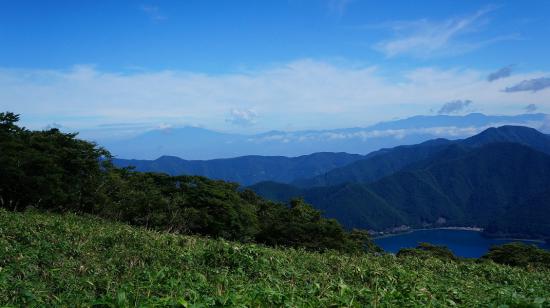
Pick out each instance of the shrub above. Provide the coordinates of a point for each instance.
(519, 254)
(427, 250)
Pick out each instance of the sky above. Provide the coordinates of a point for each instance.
(250, 66)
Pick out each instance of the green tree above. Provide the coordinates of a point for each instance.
(427, 250)
(518, 254)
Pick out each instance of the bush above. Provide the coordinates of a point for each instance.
(518, 254)
(427, 250)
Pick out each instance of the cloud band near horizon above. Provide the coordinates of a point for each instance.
(296, 95)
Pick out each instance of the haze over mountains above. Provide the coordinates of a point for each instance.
(497, 180)
(200, 144)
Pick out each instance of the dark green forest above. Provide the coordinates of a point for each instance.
(54, 171)
(499, 186)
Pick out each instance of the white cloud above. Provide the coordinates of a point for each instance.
(366, 134)
(153, 12)
(338, 7)
(54, 125)
(424, 38)
(305, 94)
(242, 117)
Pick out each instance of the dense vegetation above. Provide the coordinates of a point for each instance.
(519, 254)
(515, 254)
(502, 187)
(72, 261)
(50, 170)
(427, 250)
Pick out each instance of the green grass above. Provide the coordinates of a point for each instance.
(72, 261)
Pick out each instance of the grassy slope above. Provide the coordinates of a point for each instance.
(69, 260)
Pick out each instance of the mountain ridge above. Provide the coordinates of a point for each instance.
(376, 165)
(246, 170)
(466, 183)
(199, 143)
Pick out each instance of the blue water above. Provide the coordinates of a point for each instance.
(468, 244)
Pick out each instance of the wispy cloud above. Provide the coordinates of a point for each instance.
(530, 108)
(501, 73)
(366, 134)
(300, 94)
(425, 38)
(54, 125)
(454, 106)
(338, 7)
(153, 12)
(532, 85)
(242, 117)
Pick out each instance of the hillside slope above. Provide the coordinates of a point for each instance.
(72, 261)
(377, 164)
(460, 186)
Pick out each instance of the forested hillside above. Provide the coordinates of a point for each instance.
(377, 164)
(460, 186)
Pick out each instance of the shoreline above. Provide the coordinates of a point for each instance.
(473, 229)
(390, 234)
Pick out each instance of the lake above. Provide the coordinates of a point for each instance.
(463, 243)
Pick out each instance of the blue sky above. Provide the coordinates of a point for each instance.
(251, 66)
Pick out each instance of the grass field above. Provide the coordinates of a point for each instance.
(72, 261)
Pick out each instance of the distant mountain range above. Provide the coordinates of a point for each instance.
(387, 161)
(200, 144)
(498, 180)
(247, 170)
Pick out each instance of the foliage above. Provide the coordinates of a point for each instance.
(50, 170)
(72, 261)
(47, 169)
(427, 250)
(519, 254)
